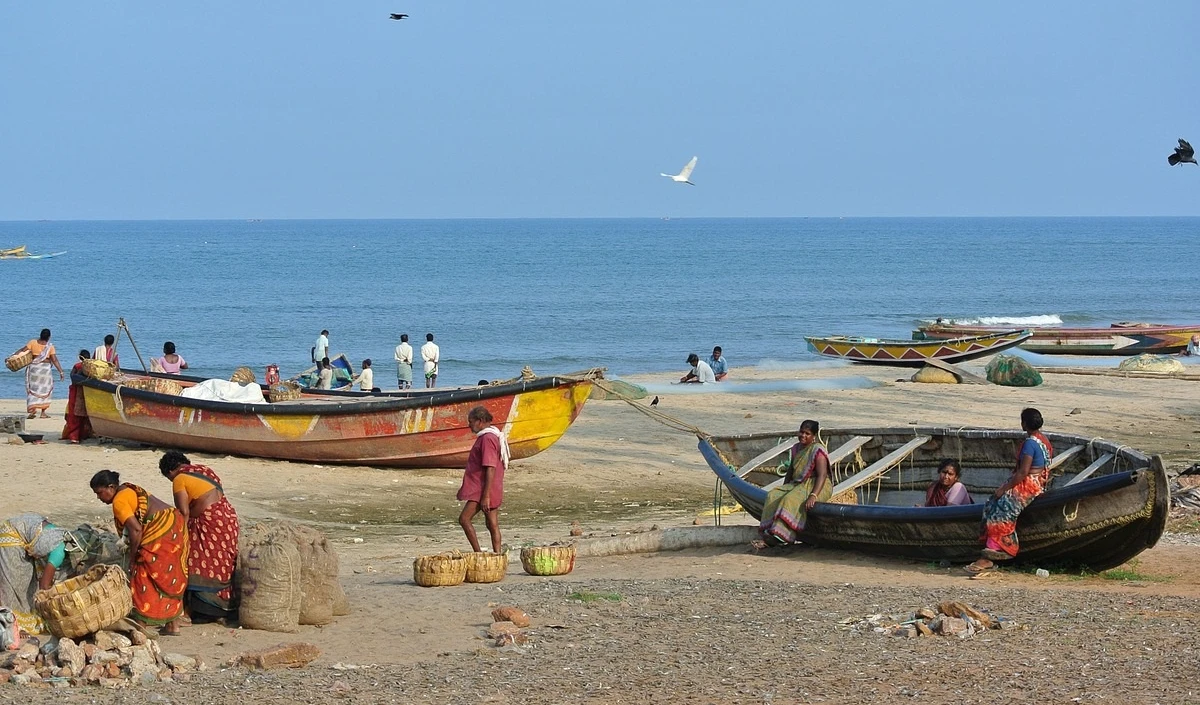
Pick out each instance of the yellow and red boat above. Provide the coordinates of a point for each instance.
(915, 353)
(413, 431)
(1123, 338)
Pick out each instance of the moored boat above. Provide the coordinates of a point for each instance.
(343, 375)
(1105, 503)
(910, 353)
(1118, 339)
(427, 431)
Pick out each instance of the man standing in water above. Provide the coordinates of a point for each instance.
(431, 354)
(404, 363)
(483, 481)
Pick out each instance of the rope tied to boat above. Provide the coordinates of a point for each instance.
(664, 418)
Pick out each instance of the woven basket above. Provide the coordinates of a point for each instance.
(442, 570)
(284, 391)
(18, 361)
(486, 567)
(243, 375)
(85, 604)
(844, 497)
(548, 560)
(97, 369)
(154, 384)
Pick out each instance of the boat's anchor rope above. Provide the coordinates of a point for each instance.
(659, 416)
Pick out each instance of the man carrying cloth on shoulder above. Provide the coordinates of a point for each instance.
(483, 482)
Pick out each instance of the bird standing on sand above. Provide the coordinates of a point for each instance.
(654, 402)
(1183, 154)
(683, 176)
(398, 16)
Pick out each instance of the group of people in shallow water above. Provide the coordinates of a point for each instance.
(182, 555)
(808, 481)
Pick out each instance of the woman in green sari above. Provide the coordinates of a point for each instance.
(806, 483)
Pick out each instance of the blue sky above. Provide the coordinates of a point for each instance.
(564, 109)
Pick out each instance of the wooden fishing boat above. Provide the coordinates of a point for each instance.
(13, 251)
(1119, 339)
(21, 253)
(343, 375)
(428, 431)
(1105, 504)
(909, 353)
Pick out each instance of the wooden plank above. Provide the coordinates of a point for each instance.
(1065, 456)
(963, 376)
(1091, 469)
(764, 457)
(1111, 372)
(839, 454)
(880, 466)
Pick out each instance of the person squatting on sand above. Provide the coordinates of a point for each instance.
(718, 363)
(212, 525)
(947, 490)
(31, 550)
(806, 483)
(158, 549)
(39, 381)
(78, 427)
(700, 373)
(1028, 480)
(483, 482)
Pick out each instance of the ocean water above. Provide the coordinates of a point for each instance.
(633, 295)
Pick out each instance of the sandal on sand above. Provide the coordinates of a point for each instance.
(758, 544)
(985, 575)
(979, 566)
(32, 416)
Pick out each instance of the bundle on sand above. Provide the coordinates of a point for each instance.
(1151, 363)
(269, 583)
(934, 375)
(316, 579)
(1012, 371)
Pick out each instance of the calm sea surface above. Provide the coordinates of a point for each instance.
(562, 295)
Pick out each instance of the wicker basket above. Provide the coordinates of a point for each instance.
(484, 567)
(243, 375)
(844, 497)
(97, 369)
(548, 560)
(284, 391)
(153, 384)
(85, 604)
(18, 361)
(442, 570)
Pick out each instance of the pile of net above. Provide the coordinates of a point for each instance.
(1012, 371)
(934, 375)
(617, 389)
(287, 576)
(1151, 363)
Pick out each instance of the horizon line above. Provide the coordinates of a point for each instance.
(586, 217)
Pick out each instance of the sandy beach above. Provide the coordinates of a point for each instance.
(711, 625)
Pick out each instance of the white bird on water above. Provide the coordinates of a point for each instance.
(684, 175)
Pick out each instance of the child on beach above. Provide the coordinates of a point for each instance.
(366, 379)
(483, 482)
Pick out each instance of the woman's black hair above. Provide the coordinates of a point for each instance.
(810, 425)
(106, 478)
(168, 348)
(85, 355)
(1031, 419)
(171, 460)
(109, 339)
(950, 463)
(45, 335)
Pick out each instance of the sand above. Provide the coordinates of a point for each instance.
(710, 625)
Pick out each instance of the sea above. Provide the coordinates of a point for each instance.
(631, 295)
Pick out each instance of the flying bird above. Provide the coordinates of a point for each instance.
(683, 176)
(398, 16)
(1183, 154)
(655, 402)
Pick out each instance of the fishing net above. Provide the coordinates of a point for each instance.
(1151, 363)
(617, 389)
(934, 375)
(1012, 371)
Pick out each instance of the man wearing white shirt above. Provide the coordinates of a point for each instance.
(700, 373)
(404, 363)
(431, 354)
(321, 349)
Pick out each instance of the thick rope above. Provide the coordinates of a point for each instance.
(665, 419)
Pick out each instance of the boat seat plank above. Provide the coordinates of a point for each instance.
(764, 457)
(1064, 457)
(1091, 469)
(880, 466)
(839, 454)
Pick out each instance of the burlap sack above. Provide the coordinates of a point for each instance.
(321, 593)
(269, 584)
(934, 375)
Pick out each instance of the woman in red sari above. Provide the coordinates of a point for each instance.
(158, 549)
(213, 530)
(78, 426)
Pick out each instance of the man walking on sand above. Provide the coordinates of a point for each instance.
(404, 363)
(483, 481)
(431, 354)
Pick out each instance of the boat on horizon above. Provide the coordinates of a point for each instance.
(1123, 338)
(909, 353)
(1105, 502)
(20, 252)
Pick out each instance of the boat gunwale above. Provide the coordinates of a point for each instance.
(909, 343)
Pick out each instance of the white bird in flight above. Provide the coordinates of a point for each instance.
(684, 175)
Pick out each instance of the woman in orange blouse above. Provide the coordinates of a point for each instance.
(39, 381)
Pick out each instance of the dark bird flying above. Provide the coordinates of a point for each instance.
(398, 16)
(1183, 154)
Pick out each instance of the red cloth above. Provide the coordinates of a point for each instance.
(78, 427)
(212, 553)
(485, 453)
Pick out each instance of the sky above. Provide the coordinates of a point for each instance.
(477, 108)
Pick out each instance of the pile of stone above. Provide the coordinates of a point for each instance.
(949, 618)
(109, 659)
(508, 627)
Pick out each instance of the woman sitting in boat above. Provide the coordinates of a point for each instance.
(158, 548)
(947, 490)
(1027, 481)
(806, 483)
(170, 362)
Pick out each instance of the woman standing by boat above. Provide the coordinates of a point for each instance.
(31, 550)
(78, 427)
(158, 549)
(212, 525)
(1027, 481)
(39, 380)
(806, 483)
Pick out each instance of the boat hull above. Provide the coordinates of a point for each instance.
(1117, 340)
(909, 353)
(1097, 523)
(426, 432)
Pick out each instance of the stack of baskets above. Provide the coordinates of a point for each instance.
(154, 384)
(442, 570)
(548, 560)
(484, 567)
(284, 391)
(85, 604)
(18, 361)
(97, 369)
(243, 375)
